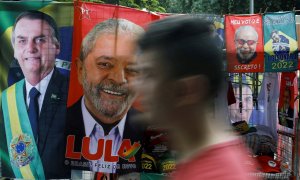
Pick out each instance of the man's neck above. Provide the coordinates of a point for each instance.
(194, 149)
(106, 126)
(35, 78)
(202, 132)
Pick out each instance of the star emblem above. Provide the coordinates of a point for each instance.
(85, 12)
(20, 147)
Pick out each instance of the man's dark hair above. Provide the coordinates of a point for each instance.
(33, 14)
(274, 32)
(185, 46)
(109, 26)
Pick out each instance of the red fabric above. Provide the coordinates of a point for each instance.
(268, 164)
(226, 161)
(287, 81)
(232, 23)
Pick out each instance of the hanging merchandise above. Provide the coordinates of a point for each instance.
(100, 147)
(286, 100)
(267, 101)
(244, 43)
(32, 141)
(86, 16)
(280, 42)
(63, 16)
(37, 149)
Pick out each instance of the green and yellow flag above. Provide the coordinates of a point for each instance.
(16, 145)
(280, 42)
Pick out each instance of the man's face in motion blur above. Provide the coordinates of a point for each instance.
(152, 83)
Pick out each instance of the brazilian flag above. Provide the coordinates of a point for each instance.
(280, 42)
(10, 72)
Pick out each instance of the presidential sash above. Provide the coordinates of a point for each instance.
(23, 152)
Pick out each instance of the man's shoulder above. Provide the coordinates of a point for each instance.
(59, 84)
(74, 115)
(134, 126)
(290, 112)
(58, 76)
(133, 116)
(76, 107)
(5, 91)
(74, 123)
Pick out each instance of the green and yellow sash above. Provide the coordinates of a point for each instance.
(23, 152)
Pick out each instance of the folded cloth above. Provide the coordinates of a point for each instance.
(268, 164)
(243, 128)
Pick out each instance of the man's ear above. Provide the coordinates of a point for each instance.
(57, 46)
(191, 90)
(79, 65)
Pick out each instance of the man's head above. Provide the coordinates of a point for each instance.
(35, 40)
(181, 67)
(246, 103)
(245, 42)
(105, 68)
(275, 36)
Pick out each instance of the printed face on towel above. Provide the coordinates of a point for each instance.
(275, 37)
(245, 42)
(106, 75)
(35, 47)
(235, 114)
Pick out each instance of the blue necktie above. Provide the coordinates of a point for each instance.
(33, 111)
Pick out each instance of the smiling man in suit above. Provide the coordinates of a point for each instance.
(34, 109)
(104, 112)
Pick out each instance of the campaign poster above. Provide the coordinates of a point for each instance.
(280, 42)
(244, 43)
(86, 16)
(244, 106)
(286, 105)
(35, 57)
(101, 134)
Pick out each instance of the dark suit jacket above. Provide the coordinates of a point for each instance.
(51, 143)
(133, 130)
(284, 121)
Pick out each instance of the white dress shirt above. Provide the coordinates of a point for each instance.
(41, 87)
(95, 131)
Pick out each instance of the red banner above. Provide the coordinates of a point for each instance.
(100, 133)
(244, 43)
(86, 16)
(286, 100)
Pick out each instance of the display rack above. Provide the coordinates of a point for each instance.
(287, 142)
